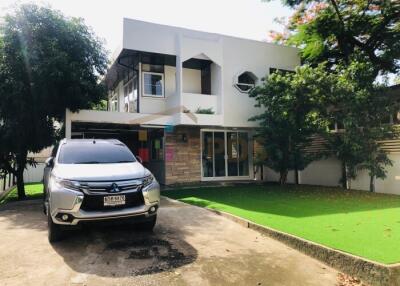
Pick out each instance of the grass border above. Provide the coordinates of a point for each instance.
(29, 197)
(5, 193)
(371, 272)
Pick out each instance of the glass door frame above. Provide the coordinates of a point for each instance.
(226, 177)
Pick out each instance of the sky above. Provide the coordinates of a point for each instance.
(251, 19)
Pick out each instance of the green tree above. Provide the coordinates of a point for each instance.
(48, 62)
(362, 107)
(293, 104)
(343, 31)
(360, 40)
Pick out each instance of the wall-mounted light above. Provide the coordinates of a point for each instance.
(183, 137)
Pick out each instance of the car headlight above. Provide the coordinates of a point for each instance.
(147, 180)
(58, 183)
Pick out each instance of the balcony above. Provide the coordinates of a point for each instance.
(195, 101)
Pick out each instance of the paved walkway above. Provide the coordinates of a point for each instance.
(190, 246)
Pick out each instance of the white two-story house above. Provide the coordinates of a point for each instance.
(179, 99)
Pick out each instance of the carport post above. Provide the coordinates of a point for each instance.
(68, 124)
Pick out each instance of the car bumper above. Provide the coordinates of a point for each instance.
(65, 207)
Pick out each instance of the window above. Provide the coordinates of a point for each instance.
(153, 84)
(114, 102)
(130, 96)
(157, 151)
(396, 118)
(95, 153)
(225, 154)
(153, 68)
(245, 81)
(283, 71)
(336, 122)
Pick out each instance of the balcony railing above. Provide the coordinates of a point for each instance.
(193, 101)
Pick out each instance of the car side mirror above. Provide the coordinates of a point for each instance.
(49, 162)
(139, 159)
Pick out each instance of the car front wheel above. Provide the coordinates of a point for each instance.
(149, 224)
(54, 230)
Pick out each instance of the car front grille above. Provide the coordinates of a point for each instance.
(94, 193)
(108, 187)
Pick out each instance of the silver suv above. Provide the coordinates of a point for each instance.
(92, 180)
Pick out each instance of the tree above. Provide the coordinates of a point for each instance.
(361, 36)
(293, 104)
(344, 31)
(305, 103)
(362, 107)
(48, 62)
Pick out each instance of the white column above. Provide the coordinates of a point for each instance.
(140, 87)
(68, 124)
(179, 98)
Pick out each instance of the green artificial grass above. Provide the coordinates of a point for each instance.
(357, 222)
(32, 191)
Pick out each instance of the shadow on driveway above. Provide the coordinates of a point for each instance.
(109, 250)
(117, 251)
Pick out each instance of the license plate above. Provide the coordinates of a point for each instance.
(114, 200)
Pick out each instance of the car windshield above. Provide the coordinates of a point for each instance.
(95, 153)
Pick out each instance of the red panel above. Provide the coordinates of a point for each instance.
(144, 154)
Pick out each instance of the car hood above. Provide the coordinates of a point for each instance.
(100, 172)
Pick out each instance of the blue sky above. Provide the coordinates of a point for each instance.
(243, 18)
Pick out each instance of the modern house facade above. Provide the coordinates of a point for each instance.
(179, 99)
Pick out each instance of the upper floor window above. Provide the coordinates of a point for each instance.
(396, 118)
(114, 102)
(283, 71)
(245, 81)
(153, 84)
(130, 96)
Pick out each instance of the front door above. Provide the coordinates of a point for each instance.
(225, 154)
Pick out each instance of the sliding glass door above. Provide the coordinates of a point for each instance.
(207, 156)
(219, 154)
(225, 154)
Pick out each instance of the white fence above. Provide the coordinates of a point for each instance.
(6, 182)
(34, 174)
(328, 173)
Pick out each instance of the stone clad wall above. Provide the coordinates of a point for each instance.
(182, 158)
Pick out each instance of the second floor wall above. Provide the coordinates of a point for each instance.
(180, 70)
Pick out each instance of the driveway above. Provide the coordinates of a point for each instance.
(189, 246)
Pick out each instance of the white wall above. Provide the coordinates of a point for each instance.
(272, 176)
(231, 56)
(193, 101)
(390, 185)
(256, 57)
(170, 81)
(191, 81)
(216, 86)
(34, 174)
(151, 105)
(326, 172)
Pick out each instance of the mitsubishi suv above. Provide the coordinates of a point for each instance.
(96, 180)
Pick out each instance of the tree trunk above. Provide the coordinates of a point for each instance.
(372, 183)
(21, 159)
(21, 184)
(283, 177)
(296, 176)
(344, 176)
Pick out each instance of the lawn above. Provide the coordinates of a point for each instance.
(33, 191)
(357, 222)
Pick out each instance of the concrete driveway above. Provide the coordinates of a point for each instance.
(189, 246)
